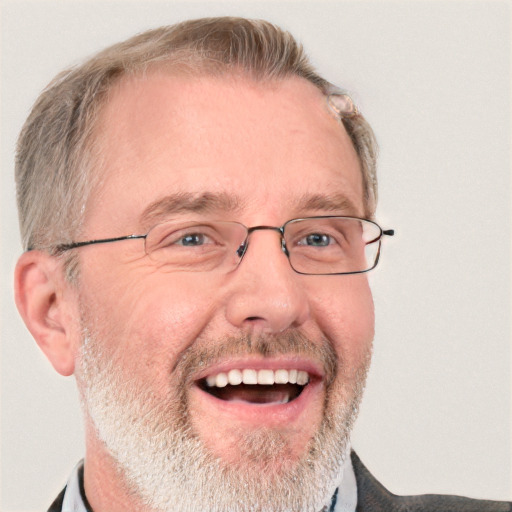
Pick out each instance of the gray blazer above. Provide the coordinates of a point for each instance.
(373, 497)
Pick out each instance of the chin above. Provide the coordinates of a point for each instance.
(186, 451)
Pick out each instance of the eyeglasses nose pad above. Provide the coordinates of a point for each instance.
(242, 249)
(284, 248)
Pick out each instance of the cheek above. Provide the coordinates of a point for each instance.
(146, 323)
(345, 313)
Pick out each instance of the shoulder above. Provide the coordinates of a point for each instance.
(374, 497)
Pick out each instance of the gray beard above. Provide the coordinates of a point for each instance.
(163, 462)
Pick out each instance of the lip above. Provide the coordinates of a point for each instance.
(260, 415)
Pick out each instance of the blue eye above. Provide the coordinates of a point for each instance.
(317, 240)
(192, 239)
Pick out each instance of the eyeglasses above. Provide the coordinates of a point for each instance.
(314, 245)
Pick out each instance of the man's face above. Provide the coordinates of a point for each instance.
(234, 150)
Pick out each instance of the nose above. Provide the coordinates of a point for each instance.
(266, 293)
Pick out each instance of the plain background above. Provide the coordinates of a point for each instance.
(434, 79)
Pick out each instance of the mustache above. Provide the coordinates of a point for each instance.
(199, 356)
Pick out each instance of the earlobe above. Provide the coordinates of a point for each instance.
(48, 306)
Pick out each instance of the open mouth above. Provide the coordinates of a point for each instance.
(262, 387)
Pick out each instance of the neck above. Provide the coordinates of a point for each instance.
(104, 483)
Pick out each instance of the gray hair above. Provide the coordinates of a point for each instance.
(56, 148)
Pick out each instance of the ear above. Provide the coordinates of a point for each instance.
(48, 305)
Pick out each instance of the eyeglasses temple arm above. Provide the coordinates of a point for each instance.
(74, 245)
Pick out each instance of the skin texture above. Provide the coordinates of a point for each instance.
(265, 149)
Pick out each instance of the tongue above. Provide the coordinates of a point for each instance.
(257, 394)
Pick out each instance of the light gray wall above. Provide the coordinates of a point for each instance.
(433, 78)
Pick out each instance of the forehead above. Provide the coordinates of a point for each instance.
(271, 144)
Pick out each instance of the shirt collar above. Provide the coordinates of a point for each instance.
(73, 501)
(346, 499)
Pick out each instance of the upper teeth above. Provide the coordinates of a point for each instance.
(265, 377)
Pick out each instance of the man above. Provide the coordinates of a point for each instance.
(197, 207)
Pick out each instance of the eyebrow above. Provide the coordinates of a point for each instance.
(181, 202)
(328, 203)
(209, 202)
